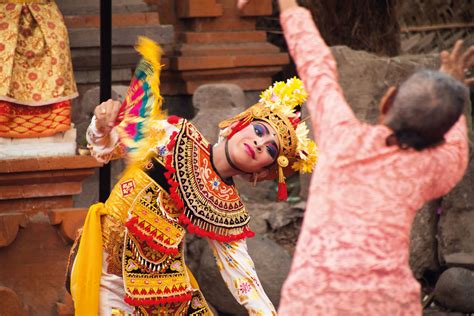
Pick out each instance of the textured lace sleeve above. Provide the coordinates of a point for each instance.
(317, 68)
(103, 147)
(451, 159)
(238, 271)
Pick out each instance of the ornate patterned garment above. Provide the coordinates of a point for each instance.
(35, 69)
(148, 212)
(352, 253)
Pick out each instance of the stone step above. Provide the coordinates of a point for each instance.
(227, 49)
(223, 37)
(218, 62)
(31, 206)
(47, 164)
(118, 19)
(248, 78)
(40, 184)
(92, 7)
(40, 190)
(121, 36)
(122, 57)
(460, 259)
(93, 76)
(89, 58)
(202, 8)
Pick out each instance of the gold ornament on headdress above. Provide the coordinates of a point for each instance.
(277, 107)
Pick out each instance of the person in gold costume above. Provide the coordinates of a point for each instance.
(36, 77)
(130, 257)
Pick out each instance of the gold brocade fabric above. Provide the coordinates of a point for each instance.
(211, 205)
(156, 281)
(35, 61)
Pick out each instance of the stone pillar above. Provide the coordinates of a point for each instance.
(217, 43)
(37, 226)
(130, 19)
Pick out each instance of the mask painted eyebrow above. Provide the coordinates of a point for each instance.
(273, 142)
(274, 151)
(268, 133)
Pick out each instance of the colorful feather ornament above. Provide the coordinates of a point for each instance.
(142, 107)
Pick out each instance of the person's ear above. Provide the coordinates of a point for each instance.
(387, 100)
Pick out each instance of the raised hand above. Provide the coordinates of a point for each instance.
(457, 64)
(106, 113)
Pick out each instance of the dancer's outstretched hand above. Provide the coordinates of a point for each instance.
(457, 64)
(106, 113)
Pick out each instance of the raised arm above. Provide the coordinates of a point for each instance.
(451, 159)
(238, 271)
(101, 135)
(452, 156)
(317, 68)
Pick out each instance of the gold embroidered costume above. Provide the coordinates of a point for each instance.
(36, 77)
(169, 187)
(148, 212)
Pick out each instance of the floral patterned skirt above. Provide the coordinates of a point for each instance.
(36, 76)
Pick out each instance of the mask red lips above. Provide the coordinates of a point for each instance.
(249, 151)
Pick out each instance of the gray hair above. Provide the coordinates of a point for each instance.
(426, 106)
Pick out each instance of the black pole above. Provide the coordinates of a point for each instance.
(105, 81)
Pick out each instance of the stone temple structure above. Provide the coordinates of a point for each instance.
(216, 62)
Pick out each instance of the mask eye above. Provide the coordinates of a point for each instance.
(272, 151)
(259, 130)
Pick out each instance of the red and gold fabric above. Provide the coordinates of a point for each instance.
(153, 263)
(169, 187)
(35, 61)
(22, 121)
(211, 207)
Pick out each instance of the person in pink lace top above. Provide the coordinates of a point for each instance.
(352, 252)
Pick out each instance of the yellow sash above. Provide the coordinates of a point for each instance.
(87, 268)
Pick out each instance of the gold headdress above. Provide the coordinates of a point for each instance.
(278, 106)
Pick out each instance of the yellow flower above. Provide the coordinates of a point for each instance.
(307, 165)
(302, 132)
(284, 97)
